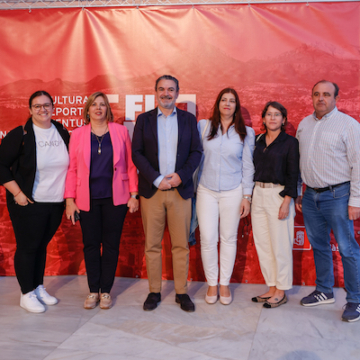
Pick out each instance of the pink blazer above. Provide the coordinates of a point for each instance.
(125, 178)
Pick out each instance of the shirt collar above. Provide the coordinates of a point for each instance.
(159, 113)
(280, 137)
(331, 113)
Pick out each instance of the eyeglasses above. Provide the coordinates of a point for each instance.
(38, 107)
(275, 114)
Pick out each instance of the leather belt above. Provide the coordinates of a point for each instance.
(320, 190)
(266, 185)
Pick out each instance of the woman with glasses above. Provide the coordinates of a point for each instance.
(101, 185)
(33, 165)
(276, 160)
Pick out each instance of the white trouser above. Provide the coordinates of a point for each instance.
(273, 237)
(212, 206)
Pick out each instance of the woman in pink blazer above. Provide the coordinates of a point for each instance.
(101, 184)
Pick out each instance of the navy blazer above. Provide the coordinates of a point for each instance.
(145, 152)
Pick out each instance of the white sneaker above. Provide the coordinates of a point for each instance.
(44, 297)
(30, 303)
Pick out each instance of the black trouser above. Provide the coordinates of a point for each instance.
(34, 226)
(102, 225)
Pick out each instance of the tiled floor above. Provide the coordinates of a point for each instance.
(242, 330)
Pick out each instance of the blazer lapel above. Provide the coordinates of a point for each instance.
(115, 142)
(153, 125)
(87, 145)
(181, 126)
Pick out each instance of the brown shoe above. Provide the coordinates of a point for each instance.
(105, 301)
(91, 300)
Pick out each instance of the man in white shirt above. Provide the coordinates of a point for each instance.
(330, 167)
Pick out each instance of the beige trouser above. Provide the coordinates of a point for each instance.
(273, 237)
(170, 206)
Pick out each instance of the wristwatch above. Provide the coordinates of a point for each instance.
(135, 196)
(248, 198)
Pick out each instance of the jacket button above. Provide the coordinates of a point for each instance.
(115, 169)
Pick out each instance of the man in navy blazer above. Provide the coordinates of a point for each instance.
(166, 149)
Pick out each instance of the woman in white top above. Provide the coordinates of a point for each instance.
(33, 165)
(225, 188)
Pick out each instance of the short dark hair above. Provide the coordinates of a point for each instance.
(279, 107)
(168, 77)
(336, 93)
(40, 93)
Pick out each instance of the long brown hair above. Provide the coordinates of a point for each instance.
(238, 119)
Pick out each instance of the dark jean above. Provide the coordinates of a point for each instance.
(102, 226)
(323, 212)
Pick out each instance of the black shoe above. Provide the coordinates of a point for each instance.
(152, 301)
(185, 302)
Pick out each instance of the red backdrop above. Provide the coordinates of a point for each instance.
(266, 52)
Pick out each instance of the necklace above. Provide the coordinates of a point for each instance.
(100, 140)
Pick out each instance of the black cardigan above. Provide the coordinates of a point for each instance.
(18, 157)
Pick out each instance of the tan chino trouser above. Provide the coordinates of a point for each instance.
(170, 206)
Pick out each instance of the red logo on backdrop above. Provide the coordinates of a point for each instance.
(301, 241)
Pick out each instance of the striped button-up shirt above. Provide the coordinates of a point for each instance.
(330, 152)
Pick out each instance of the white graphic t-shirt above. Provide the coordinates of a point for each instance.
(52, 162)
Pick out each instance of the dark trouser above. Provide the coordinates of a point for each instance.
(34, 226)
(102, 225)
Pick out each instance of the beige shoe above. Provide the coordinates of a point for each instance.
(91, 300)
(269, 305)
(211, 299)
(105, 301)
(225, 300)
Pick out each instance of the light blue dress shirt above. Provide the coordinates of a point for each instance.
(228, 161)
(167, 128)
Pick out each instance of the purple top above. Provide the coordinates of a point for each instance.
(101, 168)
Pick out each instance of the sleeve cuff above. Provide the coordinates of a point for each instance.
(354, 202)
(287, 192)
(158, 180)
(299, 191)
(248, 190)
